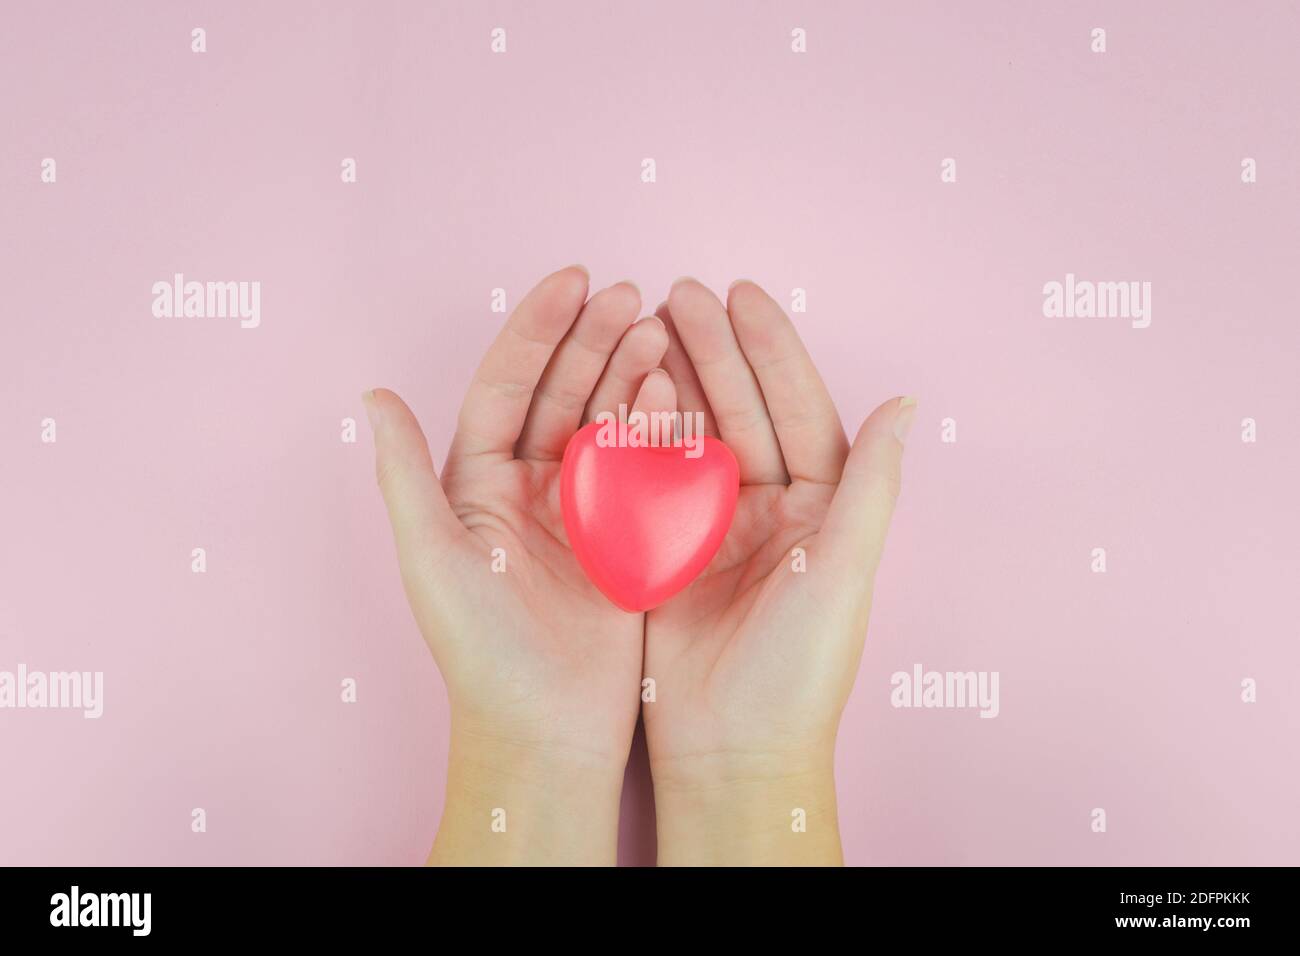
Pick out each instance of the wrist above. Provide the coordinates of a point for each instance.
(745, 809)
(529, 802)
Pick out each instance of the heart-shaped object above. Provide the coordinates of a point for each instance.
(644, 522)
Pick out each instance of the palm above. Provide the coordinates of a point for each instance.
(732, 638)
(512, 620)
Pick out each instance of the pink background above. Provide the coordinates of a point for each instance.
(820, 171)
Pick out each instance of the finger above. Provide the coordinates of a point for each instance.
(729, 384)
(658, 396)
(690, 393)
(807, 425)
(496, 404)
(859, 515)
(417, 508)
(567, 383)
(641, 349)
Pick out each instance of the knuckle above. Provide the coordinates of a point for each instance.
(887, 484)
(388, 474)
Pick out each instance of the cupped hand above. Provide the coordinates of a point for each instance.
(754, 661)
(543, 674)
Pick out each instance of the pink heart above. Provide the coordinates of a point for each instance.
(644, 522)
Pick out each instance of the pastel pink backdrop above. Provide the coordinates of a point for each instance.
(819, 171)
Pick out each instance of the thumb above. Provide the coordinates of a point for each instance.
(860, 512)
(417, 507)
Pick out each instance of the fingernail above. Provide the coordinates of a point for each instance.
(629, 282)
(578, 265)
(736, 283)
(903, 418)
(372, 410)
(680, 279)
(652, 318)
